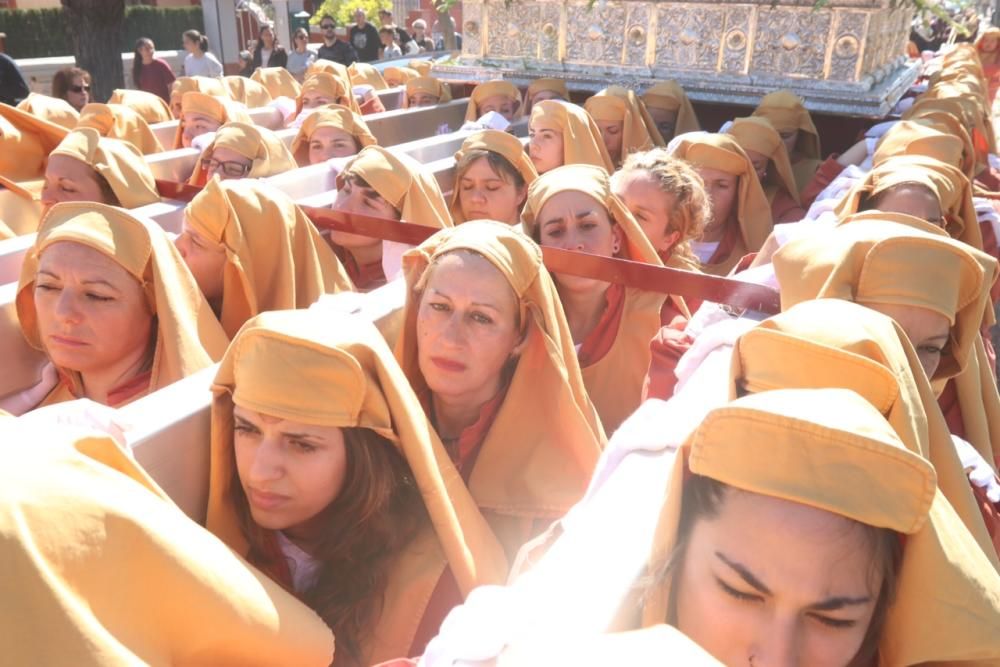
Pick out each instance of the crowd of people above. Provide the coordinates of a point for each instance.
(537, 455)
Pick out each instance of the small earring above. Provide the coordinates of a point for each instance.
(615, 248)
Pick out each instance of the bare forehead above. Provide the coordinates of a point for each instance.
(467, 272)
(571, 202)
(64, 166)
(69, 259)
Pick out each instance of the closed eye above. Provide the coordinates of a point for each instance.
(738, 594)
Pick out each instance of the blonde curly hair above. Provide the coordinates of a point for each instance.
(689, 209)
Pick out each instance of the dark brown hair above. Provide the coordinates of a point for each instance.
(507, 172)
(702, 500)
(376, 514)
(63, 79)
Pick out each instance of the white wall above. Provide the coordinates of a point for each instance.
(39, 71)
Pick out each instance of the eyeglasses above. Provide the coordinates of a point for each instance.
(328, 26)
(79, 89)
(231, 169)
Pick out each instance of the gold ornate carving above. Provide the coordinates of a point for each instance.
(690, 36)
(595, 35)
(791, 42)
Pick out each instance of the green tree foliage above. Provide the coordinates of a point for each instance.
(343, 10)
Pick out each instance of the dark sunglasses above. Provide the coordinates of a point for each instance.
(232, 169)
(328, 26)
(79, 89)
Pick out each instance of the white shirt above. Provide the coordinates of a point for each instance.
(205, 65)
(704, 250)
(302, 566)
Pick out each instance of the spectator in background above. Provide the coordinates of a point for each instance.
(424, 42)
(390, 49)
(198, 61)
(269, 52)
(73, 85)
(300, 56)
(437, 31)
(150, 73)
(246, 63)
(403, 38)
(333, 48)
(13, 87)
(365, 38)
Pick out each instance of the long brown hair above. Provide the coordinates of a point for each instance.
(702, 499)
(375, 515)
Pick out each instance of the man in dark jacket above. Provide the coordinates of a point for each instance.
(333, 48)
(364, 38)
(13, 87)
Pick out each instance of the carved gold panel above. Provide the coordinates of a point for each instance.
(595, 35)
(791, 42)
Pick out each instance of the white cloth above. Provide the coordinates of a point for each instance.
(204, 65)
(704, 250)
(976, 467)
(302, 566)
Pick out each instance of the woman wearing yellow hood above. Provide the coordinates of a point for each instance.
(486, 347)
(363, 73)
(832, 343)
(573, 208)
(25, 144)
(626, 127)
(251, 249)
(278, 81)
(741, 216)
(386, 185)
(201, 114)
(425, 91)
(243, 150)
(330, 131)
(492, 175)
(247, 92)
(788, 564)
(201, 84)
(117, 121)
(763, 145)
(88, 167)
(787, 113)
(326, 475)
(936, 288)
(150, 106)
(323, 88)
(502, 97)
(543, 89)
(95, 550)
(669, 107)
(563, 133)
(108, 299)
(53, 109)
(398, 76)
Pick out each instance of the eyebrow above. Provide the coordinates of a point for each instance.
(479, 304)
(243, 421)
(90, 281)
(833, 604)
(745, 574)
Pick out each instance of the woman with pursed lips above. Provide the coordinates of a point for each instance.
(485, 345)
(108, 299)
(338, 488)
(573, 208)
(381, 184)
(762, 565)
(492, 175)
(328, 132)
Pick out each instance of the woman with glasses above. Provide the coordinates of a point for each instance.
(242, 150)
(300, 57)
(73, 85)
